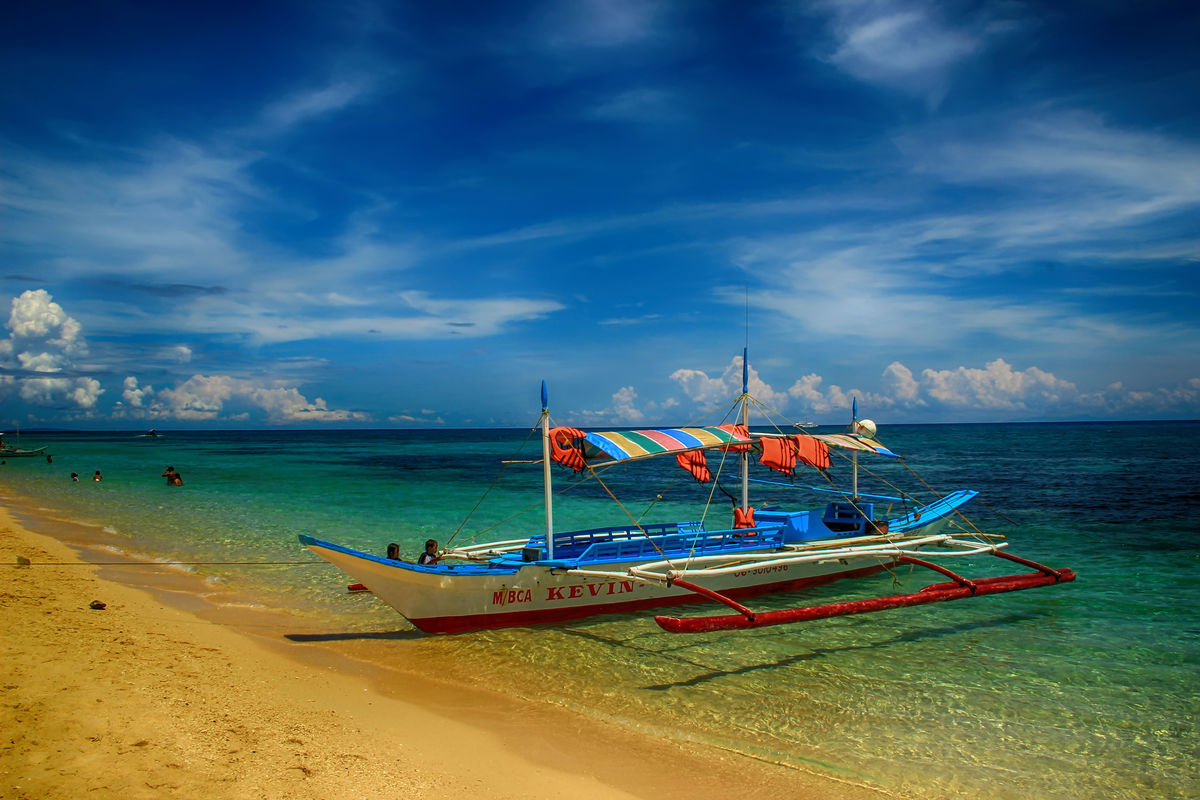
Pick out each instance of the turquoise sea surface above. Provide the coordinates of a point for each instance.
(1084, 690)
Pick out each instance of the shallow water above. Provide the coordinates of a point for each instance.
(1077, 691)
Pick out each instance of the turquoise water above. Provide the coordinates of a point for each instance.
(1079, 691)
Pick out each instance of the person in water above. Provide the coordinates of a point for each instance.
(75, 477)
(176, 479)
(97, 477)
(430, 556)
(393, 551)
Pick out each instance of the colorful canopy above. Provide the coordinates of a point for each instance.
(625, 445)
(855, 442)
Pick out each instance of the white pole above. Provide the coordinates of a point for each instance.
(546, 475)
(745, 455)
(854, 460)
(854, 454)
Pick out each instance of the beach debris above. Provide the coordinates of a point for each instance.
(22, 561)
(97, 605)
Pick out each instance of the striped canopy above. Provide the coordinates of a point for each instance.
(626, 445)
(852, 442)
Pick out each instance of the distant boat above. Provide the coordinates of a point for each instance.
(21, 452)
(150, 434)
(15, 451)
(551, 576)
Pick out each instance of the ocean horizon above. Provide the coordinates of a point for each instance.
(1075, 691)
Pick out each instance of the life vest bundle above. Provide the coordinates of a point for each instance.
(781, 454)
(694, 462)
(563, 449)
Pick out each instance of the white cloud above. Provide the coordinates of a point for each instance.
(899, 382)
(315, 103)
(625, 405)
(206, 397)
(623, 410)
(899, 43)
(1119, 176)
(43, 338)
(997, 386)
(1117, 400)
(426, 417)
(815, 400)
(902, 45)
(44, 341)
(997, 391)
(133, 394)
(701, 389)
(81, 393)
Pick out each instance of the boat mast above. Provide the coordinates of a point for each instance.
(854, 453)
(744, 456)
(545, 423)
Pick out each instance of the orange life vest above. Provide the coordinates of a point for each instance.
(563, 449)
(743, 517)
(779, 454)
(695, 462)
(812, 451)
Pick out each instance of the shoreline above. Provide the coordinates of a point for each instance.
(165, 692)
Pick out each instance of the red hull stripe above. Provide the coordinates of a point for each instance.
(511, 619)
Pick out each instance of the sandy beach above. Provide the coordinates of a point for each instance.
(154, 697)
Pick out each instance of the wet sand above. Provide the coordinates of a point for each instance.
(163, 694)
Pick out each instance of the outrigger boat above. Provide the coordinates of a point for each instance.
(9, 451)
(553, 576)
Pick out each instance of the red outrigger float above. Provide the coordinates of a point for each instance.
(958, 588)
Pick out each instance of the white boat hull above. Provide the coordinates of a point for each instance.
(458, 599)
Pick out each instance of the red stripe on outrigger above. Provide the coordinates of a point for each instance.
(958, 589)
(514, 619)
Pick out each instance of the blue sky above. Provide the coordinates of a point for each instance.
(409, 214)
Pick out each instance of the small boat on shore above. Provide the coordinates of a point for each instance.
(551, 576)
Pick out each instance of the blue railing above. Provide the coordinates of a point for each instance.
(652, 542)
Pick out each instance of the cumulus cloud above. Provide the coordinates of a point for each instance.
(43, 337)
(997, 386)
(133, 394)
(42, 344)
(701, 388)
(997, 391)
(624, 410)
(1117, 400)
(81, 393)
(223, 397)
